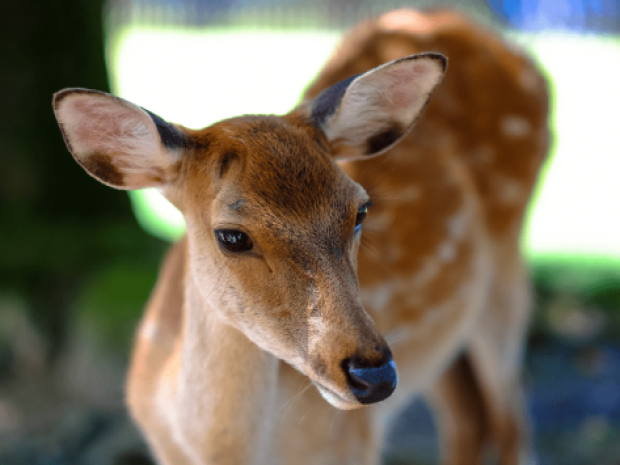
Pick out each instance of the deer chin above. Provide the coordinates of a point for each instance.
(336, 399)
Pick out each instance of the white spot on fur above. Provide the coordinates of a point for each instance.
(428, 271)
(313, 298)
(457, 224)
(380, 220)
(482, 155)
(529, 80)
(379, 296)
(508, 190)
(515, 126)
(317, 325)
(447, 251)
(411, 193)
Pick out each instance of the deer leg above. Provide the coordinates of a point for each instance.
(503, 398)
(496, 352)
(459, 408)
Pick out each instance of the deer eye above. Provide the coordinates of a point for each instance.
(233, 240)
(361, 214)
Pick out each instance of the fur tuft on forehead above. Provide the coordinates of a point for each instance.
(285, 167)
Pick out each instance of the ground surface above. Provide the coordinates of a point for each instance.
(70, 411)
(573, 395)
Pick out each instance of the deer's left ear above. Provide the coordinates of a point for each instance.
(364, 116)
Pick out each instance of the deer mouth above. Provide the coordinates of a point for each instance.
(336, 399)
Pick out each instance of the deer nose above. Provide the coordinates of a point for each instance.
(369, 381)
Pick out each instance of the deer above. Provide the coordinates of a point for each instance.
(274, 334)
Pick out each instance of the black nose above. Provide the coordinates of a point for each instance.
(370, 381)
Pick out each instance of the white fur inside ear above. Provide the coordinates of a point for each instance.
(100, 127)
(392, 95)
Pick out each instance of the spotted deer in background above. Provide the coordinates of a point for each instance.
(261, 299)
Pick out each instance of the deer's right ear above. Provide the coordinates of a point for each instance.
(117, 142)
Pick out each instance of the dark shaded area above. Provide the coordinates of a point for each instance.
(170, 136)
(59, 226)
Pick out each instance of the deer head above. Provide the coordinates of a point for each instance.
(273, 224)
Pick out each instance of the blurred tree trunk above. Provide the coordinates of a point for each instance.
(57, 224)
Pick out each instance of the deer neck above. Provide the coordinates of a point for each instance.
(219, 363)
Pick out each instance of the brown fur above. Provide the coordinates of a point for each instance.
(230, 342)
(461, 155)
